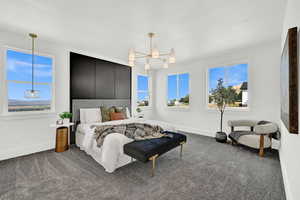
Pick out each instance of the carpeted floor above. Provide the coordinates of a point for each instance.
(208, 171)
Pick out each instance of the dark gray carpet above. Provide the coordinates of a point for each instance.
(208, 171)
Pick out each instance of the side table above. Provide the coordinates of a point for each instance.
(62, 136)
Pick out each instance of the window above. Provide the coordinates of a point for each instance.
(19, 79)
(178, 90)
(143, 94)
(234, 79)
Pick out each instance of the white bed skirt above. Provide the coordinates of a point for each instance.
(110, 158)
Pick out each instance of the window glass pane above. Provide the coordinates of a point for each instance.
(183, 89)
(143, 99)
(19, 67)
(172, 89)
(142, 83)
(19, 77)
(17, 102)
(234, 79)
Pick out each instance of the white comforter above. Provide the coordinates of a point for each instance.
(110, 155)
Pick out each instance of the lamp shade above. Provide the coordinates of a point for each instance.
(172, 58)
(131, 55)
(131, 63)
(147, 65)
(155, 53)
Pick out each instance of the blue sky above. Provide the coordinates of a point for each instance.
(183, 84)
(142, 86)
(232, 75)
(19, 68)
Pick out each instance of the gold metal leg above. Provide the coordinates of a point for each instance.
(153, 159)
(181, 147)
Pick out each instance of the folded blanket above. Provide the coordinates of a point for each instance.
(135, 131)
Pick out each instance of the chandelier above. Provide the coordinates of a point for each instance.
(153, 54)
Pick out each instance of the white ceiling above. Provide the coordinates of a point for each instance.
(195, 28)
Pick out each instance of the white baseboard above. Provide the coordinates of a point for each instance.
(288, 193)
(16, 152)
(194, 130)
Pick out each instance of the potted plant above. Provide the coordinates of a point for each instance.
(63, 116)
(222, 97)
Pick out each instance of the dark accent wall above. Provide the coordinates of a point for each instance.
(92, 78)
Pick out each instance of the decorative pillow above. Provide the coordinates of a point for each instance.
(105, 112)
(90, 115)
(122, 110)
(117, 116)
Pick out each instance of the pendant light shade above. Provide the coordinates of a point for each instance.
(147, 65)
(131, 56)
(32, 93)
(155, 53)
(165, 65)
(172, 58)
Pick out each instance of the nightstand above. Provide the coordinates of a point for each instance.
(62, 136)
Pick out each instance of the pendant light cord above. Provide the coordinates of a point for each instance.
(32, 62)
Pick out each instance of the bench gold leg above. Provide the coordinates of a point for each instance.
(181, 148)
(153, 159)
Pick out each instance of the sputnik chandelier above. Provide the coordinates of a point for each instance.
(153, 54)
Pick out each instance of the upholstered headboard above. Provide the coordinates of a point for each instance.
(96, 103)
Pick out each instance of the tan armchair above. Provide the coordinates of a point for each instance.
(258, 134)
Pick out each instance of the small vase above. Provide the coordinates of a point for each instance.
(66, 120)
(59, 121)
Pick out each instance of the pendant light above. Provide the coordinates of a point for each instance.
(32, 93)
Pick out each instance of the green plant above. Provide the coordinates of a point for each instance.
(65, 115)
(138, 110)
(222, 96)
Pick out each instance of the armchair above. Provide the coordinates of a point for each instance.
(258, 135)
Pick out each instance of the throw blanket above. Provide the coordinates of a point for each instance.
(135, 131)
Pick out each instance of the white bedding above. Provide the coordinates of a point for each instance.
(110, 155)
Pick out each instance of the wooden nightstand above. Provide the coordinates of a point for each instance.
(62, 136)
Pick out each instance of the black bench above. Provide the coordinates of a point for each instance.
(149, 150)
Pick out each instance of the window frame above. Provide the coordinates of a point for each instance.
(4, 103)
(229, 64)
(149, 91)
(167, 91)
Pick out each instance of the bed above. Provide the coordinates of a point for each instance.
(110, 155)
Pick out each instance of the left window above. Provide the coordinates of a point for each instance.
(143, 93)
(19, 80)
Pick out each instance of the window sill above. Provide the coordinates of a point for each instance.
(25, 116)
(178, 108)
(145, 108)
(229, 109)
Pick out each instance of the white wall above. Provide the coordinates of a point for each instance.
(263, 77)
(24, 135)
(290, 143)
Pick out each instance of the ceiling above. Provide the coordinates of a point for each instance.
(195, 28)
